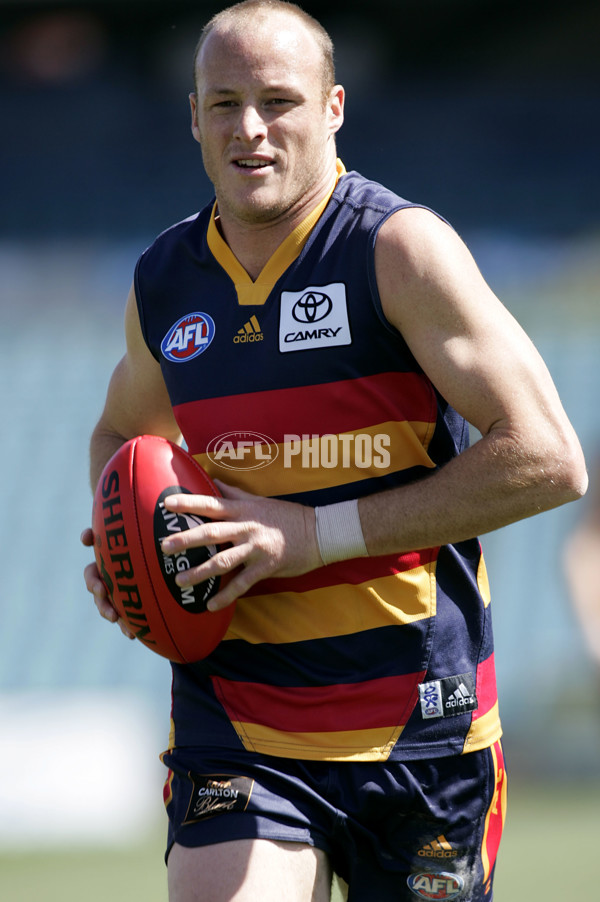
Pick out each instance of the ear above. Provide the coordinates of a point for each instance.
(194, 123)
(335, 108)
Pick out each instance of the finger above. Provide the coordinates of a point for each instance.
(234, 588)
(87, 537)
(125, 629)
(103, 604)
(218, 565)
(107, 612)
(93, 580)
(204, 505)
(212, 533)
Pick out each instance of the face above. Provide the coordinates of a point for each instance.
(265, 128)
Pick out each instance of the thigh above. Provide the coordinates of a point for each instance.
(249, 870)
(423, 830)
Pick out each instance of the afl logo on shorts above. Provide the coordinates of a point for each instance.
(189, 337)
(436, 885)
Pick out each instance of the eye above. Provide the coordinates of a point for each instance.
(280, 101)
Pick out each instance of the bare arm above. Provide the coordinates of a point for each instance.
(529, 459)
(482, 363)
(137, 401)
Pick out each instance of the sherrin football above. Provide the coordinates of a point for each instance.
(129, 521)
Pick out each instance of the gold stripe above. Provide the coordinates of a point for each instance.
(483, 582)
(484, 731)
(335, 610)
(345, 745)
(256, 293)
(171, 733)
(286, 474)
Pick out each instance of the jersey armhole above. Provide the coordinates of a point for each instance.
(140, 308)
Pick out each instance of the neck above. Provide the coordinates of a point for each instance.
(254, 243)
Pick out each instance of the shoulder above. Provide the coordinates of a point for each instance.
(419, 257)
(354, 190)
(407, 231)
(188, 231)
(416, 235)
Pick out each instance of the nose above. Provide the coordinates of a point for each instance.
(250, 124)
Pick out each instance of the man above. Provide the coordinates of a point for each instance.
(348, 721)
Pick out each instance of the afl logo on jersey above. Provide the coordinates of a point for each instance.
(189, 337)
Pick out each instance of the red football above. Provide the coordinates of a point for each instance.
(129, 521)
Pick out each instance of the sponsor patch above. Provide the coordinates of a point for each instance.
(435, 885)
(216, 794)
(448, 697)
(316, 317)
(188, 337)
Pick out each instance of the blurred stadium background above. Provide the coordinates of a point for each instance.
(488, 111)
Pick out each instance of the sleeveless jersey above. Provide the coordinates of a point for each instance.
(296, 386)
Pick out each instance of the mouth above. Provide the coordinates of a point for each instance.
(250, 164)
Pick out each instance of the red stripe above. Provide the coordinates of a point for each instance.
(318, 709)
(497, 813)
(352, 572)
(487, 693)
(330, 408)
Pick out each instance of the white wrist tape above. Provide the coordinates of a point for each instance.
(339, 533)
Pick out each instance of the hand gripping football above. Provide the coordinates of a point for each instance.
(129, 521)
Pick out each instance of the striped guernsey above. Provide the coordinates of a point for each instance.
(295, 386)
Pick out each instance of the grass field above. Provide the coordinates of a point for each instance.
(549, 852)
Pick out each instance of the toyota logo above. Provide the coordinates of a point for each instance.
(312, 307)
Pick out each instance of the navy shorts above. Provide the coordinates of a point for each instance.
(393, 831)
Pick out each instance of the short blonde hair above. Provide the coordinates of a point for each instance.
(247, 8)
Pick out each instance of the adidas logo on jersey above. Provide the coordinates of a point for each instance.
(460, 698)
(437, 848)
(250, 331)
(448, 697)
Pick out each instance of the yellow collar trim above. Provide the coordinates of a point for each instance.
(256, 293)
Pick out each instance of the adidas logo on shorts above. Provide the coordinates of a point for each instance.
(249, 332)
(437, 848)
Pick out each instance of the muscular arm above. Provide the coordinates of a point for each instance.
(481, 362)
(136, 402)
(528, 459)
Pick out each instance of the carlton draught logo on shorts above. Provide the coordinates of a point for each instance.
(216, 794)
(316, 317)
